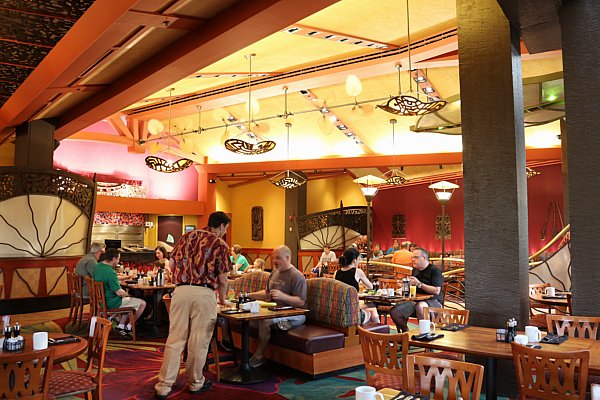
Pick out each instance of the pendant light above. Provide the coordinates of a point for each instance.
(394, 176)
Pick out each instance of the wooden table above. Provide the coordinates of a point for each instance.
(482, 342)
(554, 302)
(245, 374)
(157, 292)
(391, 300)
(62, 352)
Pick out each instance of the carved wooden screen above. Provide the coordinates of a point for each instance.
(338, 228)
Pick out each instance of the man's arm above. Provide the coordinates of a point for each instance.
(295, 301)
(121, 293)
(222, 290)
(431, 289)
(260, 295)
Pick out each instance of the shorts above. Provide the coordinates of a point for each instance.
(132, 302)
(286, 323)
(407, 308)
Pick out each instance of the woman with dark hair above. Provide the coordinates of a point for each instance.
(162, 262)
(351, 275)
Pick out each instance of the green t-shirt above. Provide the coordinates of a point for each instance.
(106, 274)
(241, 260)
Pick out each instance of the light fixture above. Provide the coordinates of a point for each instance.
(368, 187)
(443, 191)
(531, 172)
(409, 103)
(394, 176)
(288, 179)
(165, 164)
(249, 142)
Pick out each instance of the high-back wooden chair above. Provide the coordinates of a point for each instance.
(26, 375)
(385, 356)
(446, 316)
(72, 383)
(550, 374)
(574, 326)
(74, 283)
(213, 341)
(103, 311)
(93, 304)
(538, 319)
(432, 375)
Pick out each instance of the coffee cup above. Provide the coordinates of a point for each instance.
(533, 333)
(390, 292)
(521, 339)
(40, 340)
(367, 393)
(426, 326)
(550, 291)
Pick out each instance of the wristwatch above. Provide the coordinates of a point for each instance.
(419, 285)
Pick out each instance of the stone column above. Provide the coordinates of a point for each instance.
(295, 205)
(580, 26)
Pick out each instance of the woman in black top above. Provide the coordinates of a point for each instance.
(351, 275)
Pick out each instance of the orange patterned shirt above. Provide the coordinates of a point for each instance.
(199, 257)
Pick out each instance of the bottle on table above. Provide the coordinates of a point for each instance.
(17, 330)
(405, 287)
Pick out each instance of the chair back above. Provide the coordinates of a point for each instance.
(538, 288)
(388, 283)
(93, 304)
(384, 354)
(574, 326)
(100, 299)
(26, 375)
(98, 338)
(76, 287)
(446, 316)
(549, 374)
(462, 379)
(251, 282)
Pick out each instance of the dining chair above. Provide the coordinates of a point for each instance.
(442, 317)
(26, 375)
(387, 283)
(574, 326)
(65, 383)
(385, 357)
(550, 374)
(430, 376)
(213, 342)
(74, 283)
(103, 311)
(539, 318)
(93, 303)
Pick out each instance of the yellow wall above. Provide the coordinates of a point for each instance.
(348, 192)
(7, 155)
(223, 197)
(321, 195)
(272, 200)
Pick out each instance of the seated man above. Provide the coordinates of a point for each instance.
(116, 297)
(403, 256)
(327, 256)
(287, 287)
(429, 280)
(85, 266)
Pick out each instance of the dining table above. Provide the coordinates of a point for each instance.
(157, 292)
(245, 374)
(385, 300)
(481, 341)
(62, 352)
(559, 300)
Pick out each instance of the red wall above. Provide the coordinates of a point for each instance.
(420, 207)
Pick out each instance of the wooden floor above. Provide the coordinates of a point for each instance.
(43, 316)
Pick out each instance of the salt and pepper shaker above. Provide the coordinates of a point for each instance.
(511, 330)
(17, 330)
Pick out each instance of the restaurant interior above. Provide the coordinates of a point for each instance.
(310, 124)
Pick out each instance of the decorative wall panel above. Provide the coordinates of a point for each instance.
(257, 223)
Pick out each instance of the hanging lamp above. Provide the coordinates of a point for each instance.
(394, 176)
(249, 142)
(410, 103)
(165, 164)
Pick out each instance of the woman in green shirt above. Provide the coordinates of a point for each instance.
(238, 260)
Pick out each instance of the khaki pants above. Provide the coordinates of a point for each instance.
(193, 315)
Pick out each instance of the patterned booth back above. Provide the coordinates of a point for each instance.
(250, 282)
(332, 302)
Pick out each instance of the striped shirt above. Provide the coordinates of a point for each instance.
(199, 257)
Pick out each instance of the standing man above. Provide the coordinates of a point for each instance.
(116, 297)
(199, 263)
(85, 266)
(287, 287)
(403, 256)
(429, 280)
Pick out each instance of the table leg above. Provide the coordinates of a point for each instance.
(490, 378)
(245, 374)
(155, 333)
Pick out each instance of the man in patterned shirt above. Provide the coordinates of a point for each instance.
(200, 263)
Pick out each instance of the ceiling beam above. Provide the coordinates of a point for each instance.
(232, 30)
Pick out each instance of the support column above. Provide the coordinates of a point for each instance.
(34, 147)
(580, 25)
(295, 205)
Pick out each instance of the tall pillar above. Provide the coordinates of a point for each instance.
(295, 205)
(34, 146)
(580, 27)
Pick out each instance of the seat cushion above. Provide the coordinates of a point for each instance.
(63, 382)
(309, 339)
(376, 327)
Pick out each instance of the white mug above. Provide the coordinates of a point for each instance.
(550, 291)
(426, 326)
(521, 339)
(390, 292)
(533, 334)
(367, 393)
(40, 340)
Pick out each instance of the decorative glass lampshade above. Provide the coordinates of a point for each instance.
(443, 190)
(368, 186)
(288, 179)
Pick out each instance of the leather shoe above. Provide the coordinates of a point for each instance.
(207, 386)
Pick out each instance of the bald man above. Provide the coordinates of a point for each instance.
(287, 287)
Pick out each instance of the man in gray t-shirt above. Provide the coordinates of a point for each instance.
(85, 266)
(286, 287)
